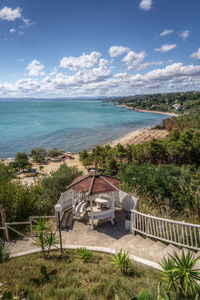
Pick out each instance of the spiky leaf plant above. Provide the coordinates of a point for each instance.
(122, 261)
(84, 254)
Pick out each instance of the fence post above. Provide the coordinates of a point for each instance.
(147, 224)
(3, 221)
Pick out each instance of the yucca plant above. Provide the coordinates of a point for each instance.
(144, 295)
(4, 253)
(122, 261)
(179, 272)
(84, 254)
(45, 276)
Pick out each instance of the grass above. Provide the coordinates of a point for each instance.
(76, 279)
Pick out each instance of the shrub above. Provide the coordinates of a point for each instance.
(4, 254)
(84, 254)
(38, 155)
(180, 275)
(121, 261)
(54, 152)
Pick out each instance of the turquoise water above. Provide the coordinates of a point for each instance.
(70, 125)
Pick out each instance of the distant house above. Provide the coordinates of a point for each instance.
(177, 106)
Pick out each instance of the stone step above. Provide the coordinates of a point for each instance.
(156, 250)
(170, 249)
(146, 244)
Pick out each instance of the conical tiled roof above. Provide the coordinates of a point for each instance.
(95, 184)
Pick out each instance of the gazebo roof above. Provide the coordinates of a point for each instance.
(95, 184)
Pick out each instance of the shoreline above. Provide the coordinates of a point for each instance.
(138, 136)
(148, 111)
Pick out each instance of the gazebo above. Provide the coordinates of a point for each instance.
(98, 189)
(95, 194)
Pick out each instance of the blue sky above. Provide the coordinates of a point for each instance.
(92, 48)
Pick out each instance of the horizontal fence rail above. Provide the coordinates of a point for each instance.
(174, 232)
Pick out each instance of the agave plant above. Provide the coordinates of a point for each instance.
(84, 254)
(45, 276)
(45, 238)
(179, 272)
(4, 253)
(122, 261)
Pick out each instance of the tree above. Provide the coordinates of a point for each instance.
(38, 155)
(21, 160)
(54, 152)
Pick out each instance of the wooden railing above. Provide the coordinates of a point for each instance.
(174, 232)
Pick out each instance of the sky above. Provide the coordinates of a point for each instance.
(92, 48)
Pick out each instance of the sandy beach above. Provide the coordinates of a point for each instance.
(132, 138)
(149, 111)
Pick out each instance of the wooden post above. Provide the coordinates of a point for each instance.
(3, 221)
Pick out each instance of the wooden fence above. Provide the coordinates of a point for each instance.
(174, 232)
(10, 226)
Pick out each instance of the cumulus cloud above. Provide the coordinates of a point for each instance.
(9, 14)
(146, 4)
(85, 61)
(196, 55)
(117, 50)
(148, 64)
(166, 32)
(35, 68)
(166, 48)
(12, 30)
(133, 59)
(185, 34)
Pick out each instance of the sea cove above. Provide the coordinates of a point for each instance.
(72, 125)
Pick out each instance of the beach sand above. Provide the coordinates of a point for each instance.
(132, 138)
(149, 111)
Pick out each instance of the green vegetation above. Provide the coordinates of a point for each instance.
(44, 237)
(163, 173)
(21, 201)
(180, 274)
(172, 102)
(84, 254)
(38, 155)
(122, 261)
(54, 152)
(75, 279)
(4, 253)
(185, 121)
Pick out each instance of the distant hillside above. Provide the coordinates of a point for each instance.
(172, 102)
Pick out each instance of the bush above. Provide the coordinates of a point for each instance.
(54, 152)
(84, 254)
(121, 261)
(38, 155)
(4, 254)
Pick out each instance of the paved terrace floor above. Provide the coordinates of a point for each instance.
(108, 236)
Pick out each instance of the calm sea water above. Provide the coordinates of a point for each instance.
(70, 125)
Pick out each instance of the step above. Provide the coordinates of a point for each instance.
(134, 242)
(156, 250)
(70, 222)
(146, 243)
(65, 220)
(123, 241)
(170, 249)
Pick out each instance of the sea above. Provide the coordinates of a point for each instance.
(72, 125)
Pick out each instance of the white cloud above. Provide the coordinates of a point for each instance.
(133, 59)
(196, 55)
(185, 34)
(117, 50)
(20, 59)
(146, 4)
(35, 68)
(9, 14)
(148, 64)
(166, 48)
(82, 62)
(166, 32)
(12, 30)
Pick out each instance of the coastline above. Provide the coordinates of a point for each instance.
(139, 136)
(148, 111)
